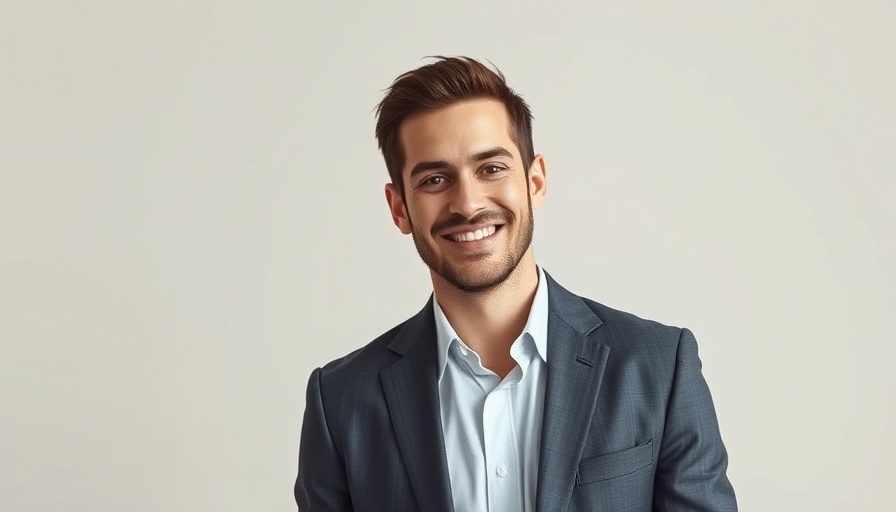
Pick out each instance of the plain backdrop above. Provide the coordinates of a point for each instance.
(192, 218)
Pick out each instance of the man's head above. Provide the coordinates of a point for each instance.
(464, 178)
(445, 82)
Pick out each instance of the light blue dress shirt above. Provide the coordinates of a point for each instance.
(492, 427)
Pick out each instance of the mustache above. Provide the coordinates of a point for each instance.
(458, 220)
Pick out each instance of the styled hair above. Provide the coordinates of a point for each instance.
(440, 84)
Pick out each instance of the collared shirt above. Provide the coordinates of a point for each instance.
(492, 427)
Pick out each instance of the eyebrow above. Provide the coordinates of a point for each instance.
(429, 165)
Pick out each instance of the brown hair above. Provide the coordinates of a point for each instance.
(440, 84)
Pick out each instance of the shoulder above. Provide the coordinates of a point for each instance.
(363, 365)
(642, 350)
(635, 342)
(360, 369)
(630, 331)
(620, 330)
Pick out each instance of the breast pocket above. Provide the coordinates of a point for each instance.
(616, 464)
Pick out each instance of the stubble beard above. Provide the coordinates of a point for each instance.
(475, 284)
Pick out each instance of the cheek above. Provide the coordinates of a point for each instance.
(422, 216)
(514, 197)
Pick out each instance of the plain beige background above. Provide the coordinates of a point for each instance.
(192, 219)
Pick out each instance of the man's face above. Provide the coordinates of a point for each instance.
(467, 200)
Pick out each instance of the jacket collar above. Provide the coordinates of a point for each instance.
(577, 355)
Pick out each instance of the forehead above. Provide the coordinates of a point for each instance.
(456, 131)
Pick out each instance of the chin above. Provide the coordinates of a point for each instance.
(476, 280)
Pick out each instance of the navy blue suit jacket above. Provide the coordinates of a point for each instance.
(629, 423)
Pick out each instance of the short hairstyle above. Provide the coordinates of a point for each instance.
(440, 84)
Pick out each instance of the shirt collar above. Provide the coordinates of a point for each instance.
(536, 325)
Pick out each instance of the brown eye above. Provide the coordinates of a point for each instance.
(433, 180)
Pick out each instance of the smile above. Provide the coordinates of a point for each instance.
(472, 236)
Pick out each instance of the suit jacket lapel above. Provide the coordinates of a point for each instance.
(412, 395)
(576, 360)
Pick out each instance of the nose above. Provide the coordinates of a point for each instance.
(467, 197)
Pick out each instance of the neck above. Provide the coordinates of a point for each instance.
(489, 321)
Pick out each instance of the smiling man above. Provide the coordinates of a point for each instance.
(506, 392)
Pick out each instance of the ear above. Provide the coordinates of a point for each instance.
(397, 209)
(538, 181)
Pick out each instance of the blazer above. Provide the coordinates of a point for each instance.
(628, 425)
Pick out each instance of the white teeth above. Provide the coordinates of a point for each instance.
(471, 236)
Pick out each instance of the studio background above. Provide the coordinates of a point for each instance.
(191, 200)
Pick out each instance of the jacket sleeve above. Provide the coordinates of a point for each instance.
(692, 460)
(322, 483)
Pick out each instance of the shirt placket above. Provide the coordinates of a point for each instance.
(501, 459)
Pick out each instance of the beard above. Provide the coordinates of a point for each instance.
(474, 282)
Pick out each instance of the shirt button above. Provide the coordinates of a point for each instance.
(462, 351)
(501, 470)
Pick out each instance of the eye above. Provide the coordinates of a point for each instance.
(432, 181)
(493, 169)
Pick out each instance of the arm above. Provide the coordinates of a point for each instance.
(692, 459)
(322, 482)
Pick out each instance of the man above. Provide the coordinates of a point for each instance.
(506, 392)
